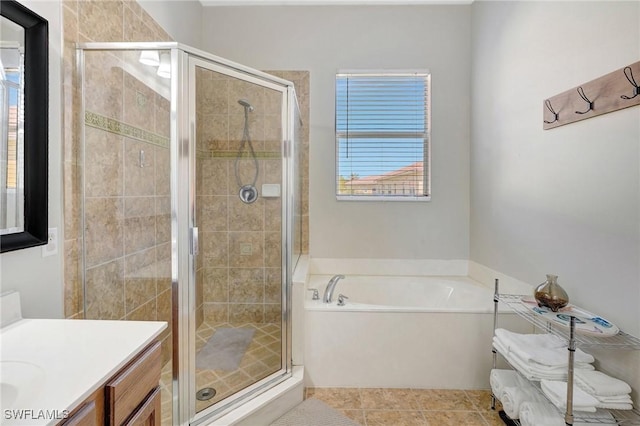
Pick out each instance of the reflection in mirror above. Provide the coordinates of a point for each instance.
(24, 125)
(12, 120)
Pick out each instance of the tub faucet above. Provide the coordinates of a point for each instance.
(328, 292)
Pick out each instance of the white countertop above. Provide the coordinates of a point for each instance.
(75, 357)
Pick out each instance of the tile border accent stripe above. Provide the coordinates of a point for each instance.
(112, 125)
(263, 155)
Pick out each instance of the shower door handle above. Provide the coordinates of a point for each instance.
(195, 247)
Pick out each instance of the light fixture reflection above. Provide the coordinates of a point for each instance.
(150, 57)
(164, 70)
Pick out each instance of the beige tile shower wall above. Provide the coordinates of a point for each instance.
(300, 79)
(239, 266)
(127, 210)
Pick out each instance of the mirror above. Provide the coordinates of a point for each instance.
(24, 109)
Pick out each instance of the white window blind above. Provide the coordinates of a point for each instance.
(382, 135)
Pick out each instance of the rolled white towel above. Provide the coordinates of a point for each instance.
(500, 379)
(600, 384)
(513, 397)
(556, 391)
(544, 349)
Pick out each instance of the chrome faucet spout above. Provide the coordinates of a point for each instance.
(328, 291)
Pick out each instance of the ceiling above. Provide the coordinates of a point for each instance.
(329, 2)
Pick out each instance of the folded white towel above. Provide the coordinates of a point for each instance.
(533, 371)
(556, 391)
(545, 414)
(622, 399)
(602, 417)
(545, 349)
(540, 414)
(512, 397)
(600, 384)
(614, 406)
(500, 379)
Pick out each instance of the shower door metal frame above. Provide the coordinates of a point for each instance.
(284, 87)
(183, 220)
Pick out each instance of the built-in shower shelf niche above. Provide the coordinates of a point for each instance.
(614, 91)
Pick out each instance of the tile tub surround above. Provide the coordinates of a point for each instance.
(411, 407)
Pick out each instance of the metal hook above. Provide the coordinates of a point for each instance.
(633, 83)
(550, 108)
(583, 96)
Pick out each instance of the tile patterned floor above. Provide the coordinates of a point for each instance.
(411, 407)
(261, 359)
(368, 407)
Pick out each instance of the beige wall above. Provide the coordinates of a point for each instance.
(324, 39)
(179, 18)
(564, 201)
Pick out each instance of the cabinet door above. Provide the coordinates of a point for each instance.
(148, 414)
(128, 389)
(86, 416)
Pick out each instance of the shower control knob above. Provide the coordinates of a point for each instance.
(315, 295)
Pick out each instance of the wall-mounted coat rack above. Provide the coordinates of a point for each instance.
(611, 92)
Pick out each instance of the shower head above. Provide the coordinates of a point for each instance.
(245, 103)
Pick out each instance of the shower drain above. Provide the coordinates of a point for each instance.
(205, 394)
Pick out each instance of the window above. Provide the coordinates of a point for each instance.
(382, 135)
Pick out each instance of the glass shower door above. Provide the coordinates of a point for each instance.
(238, 330)
(125, 246)
(186, 198)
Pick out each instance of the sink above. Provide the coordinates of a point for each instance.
(19, 381)
(8, 395)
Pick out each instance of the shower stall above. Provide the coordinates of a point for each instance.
(190, 211)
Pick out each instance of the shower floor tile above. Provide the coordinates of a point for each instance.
(409, 407)
(261, 358)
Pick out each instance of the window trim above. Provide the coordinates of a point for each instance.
(426, 136)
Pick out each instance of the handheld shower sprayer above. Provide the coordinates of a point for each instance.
(248, 192)
(245, 103)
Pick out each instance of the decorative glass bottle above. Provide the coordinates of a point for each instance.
(551, 295)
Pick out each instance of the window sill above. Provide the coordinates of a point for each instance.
(382, 198)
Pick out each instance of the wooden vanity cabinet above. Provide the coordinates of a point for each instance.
(131, 397)
(87, 415)
(134, 388)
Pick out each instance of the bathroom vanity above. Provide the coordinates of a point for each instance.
(80, 372)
